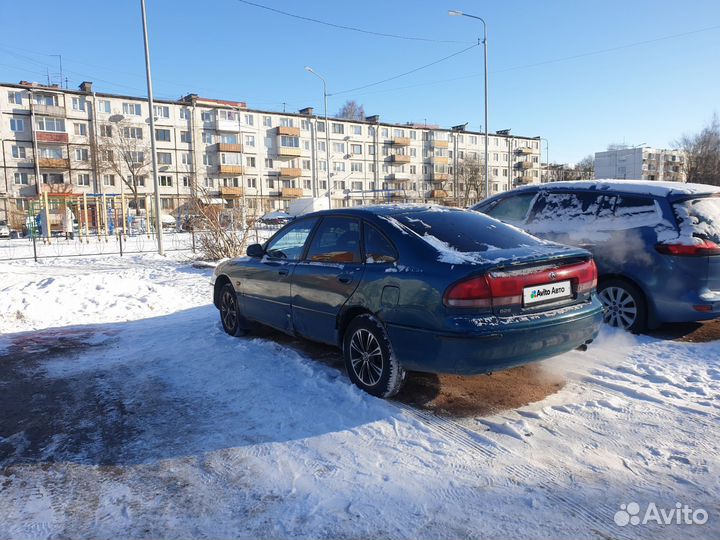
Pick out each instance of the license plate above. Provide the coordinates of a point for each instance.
(547, 292)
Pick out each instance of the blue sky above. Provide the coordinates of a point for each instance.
(649, 93)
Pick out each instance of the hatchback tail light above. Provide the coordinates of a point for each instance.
(706, 247)
(505, 288)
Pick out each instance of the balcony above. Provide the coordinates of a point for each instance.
(524, 151)
(524, 165)
(400, 141)
(230, 169)
(290, 172)
(223, 124)
(399, 158)
(291, 192)
(397, 177)
(228, 147)
(440, 177)
(438, 194)
(51, 136)
(289, 131)
(438, 143)
(440, 160)
(64, 188)
(288, 151)
(54, 163)
(49, 110)
(231, 192)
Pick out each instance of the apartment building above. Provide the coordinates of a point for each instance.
(643, 163)
(81, 141)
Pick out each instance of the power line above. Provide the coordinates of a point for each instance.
(406, 73)
(345, 27)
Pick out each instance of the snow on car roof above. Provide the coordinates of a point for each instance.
(647, 187)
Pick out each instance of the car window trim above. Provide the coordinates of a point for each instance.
(390, 242)
(289, 226)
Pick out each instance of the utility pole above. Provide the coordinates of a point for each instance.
(151, 105)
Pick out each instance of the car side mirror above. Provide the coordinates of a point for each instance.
(255, 250)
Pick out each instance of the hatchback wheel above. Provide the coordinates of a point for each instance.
(623, 305)
(369, 360)
(232, 320)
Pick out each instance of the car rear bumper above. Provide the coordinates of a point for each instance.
(692, 306)
(496, 343)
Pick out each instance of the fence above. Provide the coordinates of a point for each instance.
(35, 247)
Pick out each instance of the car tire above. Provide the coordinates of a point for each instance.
(232, 320)
(369, 360)
(624, 305)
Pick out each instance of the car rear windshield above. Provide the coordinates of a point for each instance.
(465, 231)
(699, 218)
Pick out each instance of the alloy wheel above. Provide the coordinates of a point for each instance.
(366, 357)
(619, 307)
(228, 310)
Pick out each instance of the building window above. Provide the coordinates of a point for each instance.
(250, 141)
(268, 163)
(356, 167)
(186, 158)
(78, 104)
(289, 142)
(209, 183)
(338, 129)
(306, 164)
(106, 155)
(230, 138)
(206, 116)
(80, 128)
(108, 180)
(356, 149)
(185, 137)
(83, 179)
(49, 100)
(19, 152)
(207, 160)
(321, 146)
(50, 152)
(286, 122)
(267, 121)
(17, 124)
(104, 106)
(305, 125)
(133, 133)
(138, 181)
(252, 182)
(161, 111)
(249, 119)
(133, 109)
(338, 166)
(357, 130)
(53, 178)
(250, 161)
(21, 178)
(50, 124)
(207, 137)
(166, 204)
(307, 183)
(82, 154)
(339, 147)
(165, 180)
(15, 98)
(106, 130)
(136, 157)
(185, 114)
(162, 135)
(164, 158)
(321, 127)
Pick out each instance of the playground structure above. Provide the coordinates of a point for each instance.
(88, 215)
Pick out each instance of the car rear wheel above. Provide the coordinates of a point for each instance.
(369, 360)
(232, 320)
(623, 305)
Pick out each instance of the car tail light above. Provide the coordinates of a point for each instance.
(706, 247)
(505, 288)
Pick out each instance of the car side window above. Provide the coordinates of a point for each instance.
(378, 248)
(564, 207)
(288, 244)
(633, 206)
(336, 240)
(514, 208)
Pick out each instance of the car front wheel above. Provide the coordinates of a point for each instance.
(623, 305)
(230, 317)
(369, 360)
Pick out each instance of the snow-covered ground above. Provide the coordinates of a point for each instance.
(127, 412)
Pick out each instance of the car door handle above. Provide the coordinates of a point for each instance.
(283, 272)
(344, 278)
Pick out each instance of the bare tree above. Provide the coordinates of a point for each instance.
(702, 154)
(126, 152)
(351, 111)
(585, 168)
(471, 174)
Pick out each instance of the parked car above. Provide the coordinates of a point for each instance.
(4, 230)
(409, 287)
(655, 243)
(277, 217)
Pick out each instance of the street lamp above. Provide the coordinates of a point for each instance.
(327, 128)
(455, 13)
(547, 159)
(158, 218)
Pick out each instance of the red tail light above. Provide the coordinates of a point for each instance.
(505, 288)
(706, 247)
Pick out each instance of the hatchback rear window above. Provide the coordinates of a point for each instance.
(699, 218)
(467, 232)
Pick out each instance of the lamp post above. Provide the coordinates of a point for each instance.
(547, 159)
(455, 13)
(327, 128)
(158, 218)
